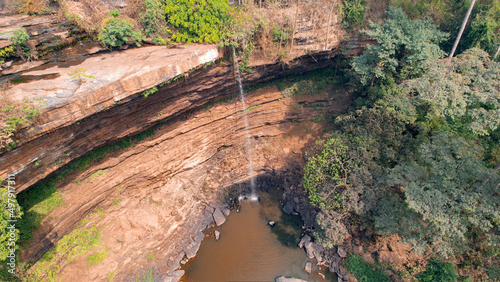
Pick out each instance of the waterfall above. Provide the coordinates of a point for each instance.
(253, 194)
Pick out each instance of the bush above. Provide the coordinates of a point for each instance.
(16, 116)
(353, 13)
(404, 47)
(33, 7)
(20, 41)
(197, 20)
(153, 18)
(363, 271)
(438, 271)
(118, 31)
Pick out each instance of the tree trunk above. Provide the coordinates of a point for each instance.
(496, 54)
(294, 25)
(466, 19)
(329, 23)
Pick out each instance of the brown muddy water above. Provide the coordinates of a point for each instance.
(248, 250)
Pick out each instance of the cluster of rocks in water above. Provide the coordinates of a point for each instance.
(295, 203)
(215, 214)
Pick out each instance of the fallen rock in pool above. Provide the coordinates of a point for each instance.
(225, 211)
(216, 234)
(288, 208)
(218, 217)
(286, 279)
(308, 267)
(174, 276)
(314, 250)
(306, 239)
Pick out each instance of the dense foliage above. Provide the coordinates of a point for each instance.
(364, 271)
(197, 20)
(404, 48)
(438, 271)
(117, 31)
(153, 17)
(483, 29)
(417, 157)
(20, 42)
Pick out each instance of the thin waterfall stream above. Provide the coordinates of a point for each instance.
(253, 193)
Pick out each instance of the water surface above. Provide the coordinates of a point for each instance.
(248, 251)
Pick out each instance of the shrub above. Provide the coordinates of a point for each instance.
(153, 18)
(438, 271)
(404, 47)
(117, 31)
(16, 116)
(363, 271)
(353, 13)
(20, 41)
(197, 20)
(33, 7)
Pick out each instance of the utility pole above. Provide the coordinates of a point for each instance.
(466, 19)
(496, 54)
(295, 25)
(329, 23)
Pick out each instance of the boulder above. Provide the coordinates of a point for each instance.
(304, 240)
(342, 253)
(225, 211)
(287, 279)
(192, 248)
(174, 276)
(308, 267)
(368, 258)
(288, 208)
(216, 234)
(218, 217)
(309, 249)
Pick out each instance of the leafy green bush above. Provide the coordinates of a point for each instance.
(20, 41)
(493, 272)
(16, 117)
(404, 47)
(363, 271)
(153, 18)
(353, 13)
(117, 31)
(438, 271)
(325, 175)
(197, 20)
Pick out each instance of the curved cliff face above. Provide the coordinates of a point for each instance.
(65, 128)
(153, 200)
(158, 196)
(82, 116)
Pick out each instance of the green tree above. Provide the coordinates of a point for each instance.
(117, 31)
(404, 48)
(197, 20)
(153, 18)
